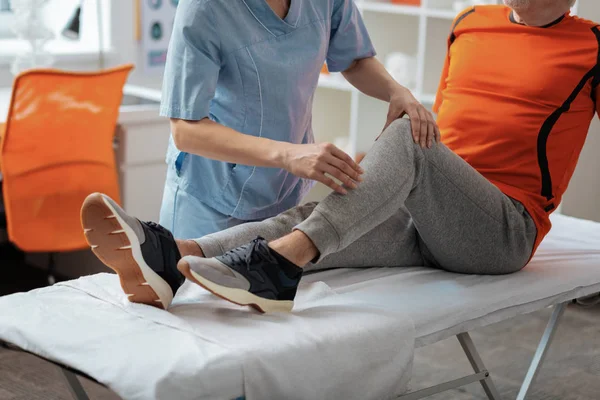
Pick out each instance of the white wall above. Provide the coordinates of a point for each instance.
(583, 196)
(125, 45)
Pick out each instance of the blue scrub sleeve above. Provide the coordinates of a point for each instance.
(349, 39)
(193, 63)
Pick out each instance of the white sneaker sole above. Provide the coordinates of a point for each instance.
(236, 296)
(117, 246)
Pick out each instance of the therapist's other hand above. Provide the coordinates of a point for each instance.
(424, 128)
(317, 161)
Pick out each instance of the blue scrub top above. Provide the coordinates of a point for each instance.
(239, 64)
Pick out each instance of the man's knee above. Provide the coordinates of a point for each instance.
(399, 136)
(400, 127)
(398, 133)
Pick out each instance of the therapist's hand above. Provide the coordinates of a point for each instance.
(317, 161)
(424, 128)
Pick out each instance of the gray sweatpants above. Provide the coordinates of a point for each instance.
(416, 207)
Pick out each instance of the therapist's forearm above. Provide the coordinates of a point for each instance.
(212, 140)
(370, 77)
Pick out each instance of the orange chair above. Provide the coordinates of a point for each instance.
(57, 148)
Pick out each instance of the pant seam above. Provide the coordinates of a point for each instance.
(368, 215)
(220, 246)
(339, 239)
(417, 158)
(418, 179)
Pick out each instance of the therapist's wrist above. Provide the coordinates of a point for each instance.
(393, 89)
(278, 154)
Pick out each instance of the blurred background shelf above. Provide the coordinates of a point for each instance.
(427, 98)
(440, 13)
(389, 8)
(334, 81)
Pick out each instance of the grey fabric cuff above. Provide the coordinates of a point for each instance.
(322, 233)
(210, 247)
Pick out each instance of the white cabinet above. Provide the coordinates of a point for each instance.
(142, 141)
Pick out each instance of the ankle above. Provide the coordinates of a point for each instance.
(296, 248)
(189, 248)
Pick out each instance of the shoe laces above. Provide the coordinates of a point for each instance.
(245, 255)
(157, 227)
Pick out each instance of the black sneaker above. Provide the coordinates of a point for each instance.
(251, 275)
(143, 254)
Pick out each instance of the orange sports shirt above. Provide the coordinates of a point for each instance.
(516, 102)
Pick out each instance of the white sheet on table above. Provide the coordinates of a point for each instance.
(330, 346)
(209, 347)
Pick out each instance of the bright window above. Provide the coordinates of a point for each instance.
(57, 15)
(6, 17)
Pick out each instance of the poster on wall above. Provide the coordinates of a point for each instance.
(157, 17)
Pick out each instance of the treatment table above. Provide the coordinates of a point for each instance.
(362, 323)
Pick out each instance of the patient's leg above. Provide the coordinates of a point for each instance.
(390, 170)
(256, 275)
(465, 224)
(392, 243)
(189, 248)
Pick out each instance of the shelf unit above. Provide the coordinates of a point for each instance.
(335, 81)
(385, 7)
